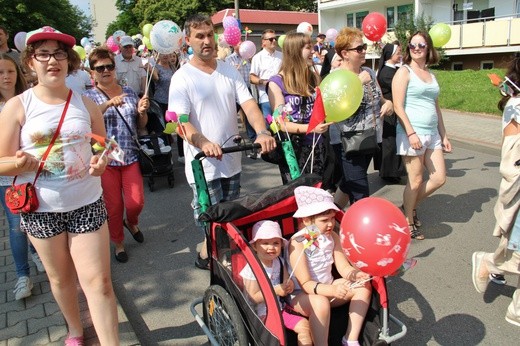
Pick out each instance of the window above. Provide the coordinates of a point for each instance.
(457, 66)
(487, 65)
(350, 20)
(396, 13)
(356, 19)
(359, 18)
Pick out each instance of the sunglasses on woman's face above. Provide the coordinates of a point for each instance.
(417, 45)
(360, 48)
(102, 68)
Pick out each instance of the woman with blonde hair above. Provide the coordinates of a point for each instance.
(293, 89)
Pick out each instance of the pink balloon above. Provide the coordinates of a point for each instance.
(112, 44)
(229, 21)
(232, 35)
(247, 49)
(331, 34)
(375, 236)
(374, 26)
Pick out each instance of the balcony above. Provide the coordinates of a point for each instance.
(491, 34)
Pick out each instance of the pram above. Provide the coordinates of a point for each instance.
(158, 146)
(227, 317)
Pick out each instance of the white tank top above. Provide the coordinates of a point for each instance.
(64, 183)
(320, 256)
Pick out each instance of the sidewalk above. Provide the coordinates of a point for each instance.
(37, 319)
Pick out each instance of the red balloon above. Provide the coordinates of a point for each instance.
(375, 236)
(374, 26)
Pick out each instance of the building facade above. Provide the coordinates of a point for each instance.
(484, 33)
(103, 12)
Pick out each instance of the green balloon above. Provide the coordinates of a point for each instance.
(342, 93)
(281, 39)
(440, 34)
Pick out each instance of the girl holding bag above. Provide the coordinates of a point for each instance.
(69, 229)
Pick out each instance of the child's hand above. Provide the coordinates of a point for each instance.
(341, 290)
(284, 289)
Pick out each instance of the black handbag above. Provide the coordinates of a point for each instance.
(361, 142)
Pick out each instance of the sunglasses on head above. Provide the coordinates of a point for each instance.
(508, 90)
(359, 48)
(270, 39)
(102, 68)
(417, 45)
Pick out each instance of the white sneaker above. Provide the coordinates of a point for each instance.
(23, 288)
(38, 262)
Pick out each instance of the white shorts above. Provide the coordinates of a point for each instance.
(428, 142)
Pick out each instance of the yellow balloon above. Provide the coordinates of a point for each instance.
(81, 51)
(440, 34)
(342, 93)
(147, 28)
(281, 39)
(147, 42)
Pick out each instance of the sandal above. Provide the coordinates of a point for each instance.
(415, 233)
(416, 220)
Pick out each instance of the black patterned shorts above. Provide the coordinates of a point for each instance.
(86, 219)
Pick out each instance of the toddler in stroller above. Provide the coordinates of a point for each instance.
(157, 145)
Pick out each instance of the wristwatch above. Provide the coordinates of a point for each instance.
(264, 132)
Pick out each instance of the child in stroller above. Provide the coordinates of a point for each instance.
(268, 244)
(312, 253)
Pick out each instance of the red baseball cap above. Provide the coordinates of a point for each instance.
(48, 33)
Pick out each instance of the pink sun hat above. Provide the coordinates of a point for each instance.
(313, 201)
(266, 229)
(49, 33)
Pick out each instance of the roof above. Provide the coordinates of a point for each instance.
(268, 17)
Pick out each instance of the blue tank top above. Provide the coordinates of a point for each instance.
(419, 104)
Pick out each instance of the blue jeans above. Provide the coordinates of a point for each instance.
(355, 176)
(17, 239)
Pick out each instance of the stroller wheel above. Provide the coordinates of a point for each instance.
(171, 179)
(151, 184)
(223, 318)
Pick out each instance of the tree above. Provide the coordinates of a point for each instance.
(28, 15)
(134, 14)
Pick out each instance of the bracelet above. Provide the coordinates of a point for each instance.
(411, 134)
(264, 132)
(316, 287)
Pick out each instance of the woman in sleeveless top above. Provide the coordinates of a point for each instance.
(69, 229)
(421, 135)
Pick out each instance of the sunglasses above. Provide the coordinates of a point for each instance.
(508, 90)
(270, 39)
(417, 45)
(102, 68)
(360, 48)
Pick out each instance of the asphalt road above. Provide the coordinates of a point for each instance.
(436, 300)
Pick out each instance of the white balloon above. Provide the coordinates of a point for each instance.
(19, 40)
(304, 28)
(166, 37)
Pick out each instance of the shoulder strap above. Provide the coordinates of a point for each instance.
(132, 134)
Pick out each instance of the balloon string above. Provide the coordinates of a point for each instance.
(149, 75)
(314, 143)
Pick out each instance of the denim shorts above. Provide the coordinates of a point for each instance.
(86, 219)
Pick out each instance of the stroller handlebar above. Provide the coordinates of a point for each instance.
(232, 149)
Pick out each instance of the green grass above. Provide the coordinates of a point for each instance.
(469, 91)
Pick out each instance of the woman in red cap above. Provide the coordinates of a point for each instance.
(69, 228)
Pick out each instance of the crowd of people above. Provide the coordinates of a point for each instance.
(86, 200)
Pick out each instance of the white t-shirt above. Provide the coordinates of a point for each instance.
(511, 111)
(273, 273)
(265, 65)
(78, 81)
(210, 100)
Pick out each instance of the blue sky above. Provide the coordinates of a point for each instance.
(82, 4)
